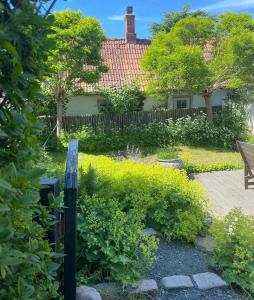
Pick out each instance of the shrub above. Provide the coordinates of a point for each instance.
(123, 99)
(229, 126)
(234, 252)
(111, 243)
(27, 267)
(233, 126)
(166, 199)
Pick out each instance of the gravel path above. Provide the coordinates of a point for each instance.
(176, 258)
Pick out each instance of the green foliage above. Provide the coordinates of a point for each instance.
(171, 18)
(27, 270)
(76, 57)
(122, 99)
(229, 126)
(199, 55)
(162, 198)
(88, 181)
(234, 252)
(111, 243)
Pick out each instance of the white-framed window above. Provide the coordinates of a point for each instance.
(182, 102)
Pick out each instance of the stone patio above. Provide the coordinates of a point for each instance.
(225, 190)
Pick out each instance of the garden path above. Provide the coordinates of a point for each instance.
(225, 190)
(176, 258)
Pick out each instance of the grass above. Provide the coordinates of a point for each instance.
(199, 159)
(211, 155)
(196, 159)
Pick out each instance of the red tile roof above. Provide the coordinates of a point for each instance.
(123, 62)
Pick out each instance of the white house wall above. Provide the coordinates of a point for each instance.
(88, 105)
(198, 100)
(150, 104)
(82, 105)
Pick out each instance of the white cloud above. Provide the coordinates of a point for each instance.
(116, 18)
(230, 4)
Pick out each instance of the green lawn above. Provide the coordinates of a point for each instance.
(196, 159)
(210, 155)
(199, 159)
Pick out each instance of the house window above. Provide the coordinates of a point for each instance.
(182, 102)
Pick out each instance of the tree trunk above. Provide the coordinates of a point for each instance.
(59, 117)
(208, 102)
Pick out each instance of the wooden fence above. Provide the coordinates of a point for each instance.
(120, 121)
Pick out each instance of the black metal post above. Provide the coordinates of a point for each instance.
(70, 199)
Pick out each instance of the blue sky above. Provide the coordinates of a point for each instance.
(111, 12)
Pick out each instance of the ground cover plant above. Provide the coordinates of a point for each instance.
(234, 252)
(117, 201)
(163, 197)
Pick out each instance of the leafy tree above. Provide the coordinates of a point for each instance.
(123, 99)
(76, 58)
(27, 270)
(200, 56)
(171, 18)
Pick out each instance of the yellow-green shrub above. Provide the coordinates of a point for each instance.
(234, 252)
(165, 198)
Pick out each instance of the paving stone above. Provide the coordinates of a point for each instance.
(109, 290)
(87, 293)
(205, 281)
(176, 282)
(146, 286)
(150, 231)
(206, 243)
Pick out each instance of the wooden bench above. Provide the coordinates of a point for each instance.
(247, 153)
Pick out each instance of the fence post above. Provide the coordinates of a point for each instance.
(70, 199)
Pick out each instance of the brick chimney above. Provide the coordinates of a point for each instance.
(130, 34)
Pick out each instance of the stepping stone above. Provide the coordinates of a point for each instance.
(109, 290)
(205, 281)
(150, 231)
(176, 282)
(87, 293)
(206, 243)
(146, 286)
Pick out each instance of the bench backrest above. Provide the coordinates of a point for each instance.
(247, 153)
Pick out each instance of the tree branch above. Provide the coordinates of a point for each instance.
(50, 7)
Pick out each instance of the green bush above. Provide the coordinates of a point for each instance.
(229, 125)
(27, 267)
(117, 200)
(111, 242)
(166, 199)
(234, 252)
(123, 99)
